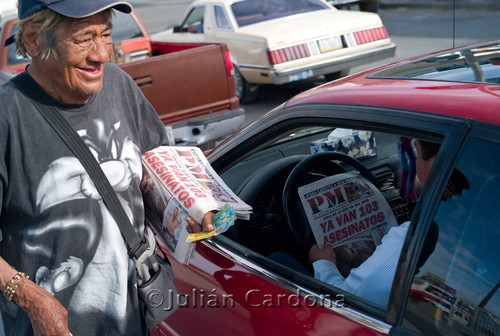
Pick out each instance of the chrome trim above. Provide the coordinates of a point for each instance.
(348, 313)
(252, 66)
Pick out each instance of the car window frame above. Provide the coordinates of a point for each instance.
(432, 126)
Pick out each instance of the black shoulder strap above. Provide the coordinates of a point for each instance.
(40, 100)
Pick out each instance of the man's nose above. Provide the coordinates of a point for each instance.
(100, 51)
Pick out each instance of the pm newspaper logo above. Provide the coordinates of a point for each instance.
(349, 213)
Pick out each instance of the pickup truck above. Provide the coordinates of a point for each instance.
(191, 85)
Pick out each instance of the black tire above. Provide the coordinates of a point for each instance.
(336, 75)
(246, 92)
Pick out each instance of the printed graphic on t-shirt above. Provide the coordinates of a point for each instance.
(90, 241)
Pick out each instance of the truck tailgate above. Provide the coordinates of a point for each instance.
(184, 84)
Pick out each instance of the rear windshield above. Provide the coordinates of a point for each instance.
(248, 12)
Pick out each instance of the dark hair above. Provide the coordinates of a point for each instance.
(428, 149)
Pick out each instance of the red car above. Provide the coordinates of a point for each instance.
(233, 285)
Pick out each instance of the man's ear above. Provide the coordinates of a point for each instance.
(32, 39)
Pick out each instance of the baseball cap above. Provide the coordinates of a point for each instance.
(71, 8)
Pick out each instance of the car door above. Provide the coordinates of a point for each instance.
(233, 286)
(456, 290)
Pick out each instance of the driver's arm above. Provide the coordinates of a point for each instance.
(372, 280)
(324, 262)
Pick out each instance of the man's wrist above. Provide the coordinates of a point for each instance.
(24, 294)
(6, 274)
(14, 284)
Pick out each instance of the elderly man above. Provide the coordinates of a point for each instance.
(64, 266)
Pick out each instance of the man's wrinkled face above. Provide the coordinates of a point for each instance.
(82, 49)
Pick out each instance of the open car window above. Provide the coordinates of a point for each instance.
(260, 180)
(194, 21)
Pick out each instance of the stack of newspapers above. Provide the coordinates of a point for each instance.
(179, 181)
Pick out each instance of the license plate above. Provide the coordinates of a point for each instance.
(330, 44)
(301, 75)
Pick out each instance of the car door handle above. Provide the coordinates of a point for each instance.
(144, 81)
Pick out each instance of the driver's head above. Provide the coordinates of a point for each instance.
(426, 154)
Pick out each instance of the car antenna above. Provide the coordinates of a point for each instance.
(454, 23)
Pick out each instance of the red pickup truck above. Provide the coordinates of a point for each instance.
(191, 85)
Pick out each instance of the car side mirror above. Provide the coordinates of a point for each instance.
(177, 29)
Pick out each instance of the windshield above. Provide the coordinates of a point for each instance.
(477, 64)
(125, 28)
(248, 12)
(13, 57)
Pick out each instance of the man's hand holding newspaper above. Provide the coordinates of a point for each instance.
(206, 223)
(179, 186)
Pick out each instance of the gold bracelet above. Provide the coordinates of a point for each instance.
(12, 286)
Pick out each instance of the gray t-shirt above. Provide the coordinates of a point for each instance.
(54, 225)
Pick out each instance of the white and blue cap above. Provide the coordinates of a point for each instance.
(71, 8)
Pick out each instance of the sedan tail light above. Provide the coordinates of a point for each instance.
(288, 54)
(370, 35)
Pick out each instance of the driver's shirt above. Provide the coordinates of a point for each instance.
(372, 280)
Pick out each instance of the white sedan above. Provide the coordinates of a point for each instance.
(281, 41)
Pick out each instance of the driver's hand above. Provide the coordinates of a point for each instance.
(326, 253)
(206, 225)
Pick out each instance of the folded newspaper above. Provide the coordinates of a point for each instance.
(177, 182)
(350, 214)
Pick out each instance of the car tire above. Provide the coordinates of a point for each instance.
(246, 92)
(336, 75)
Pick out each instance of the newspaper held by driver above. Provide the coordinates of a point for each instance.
(179, 181)
(349, 213)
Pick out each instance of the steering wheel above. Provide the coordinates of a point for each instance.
(313, 168)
